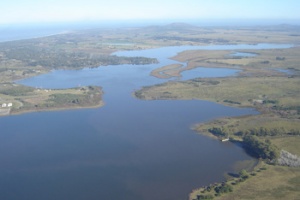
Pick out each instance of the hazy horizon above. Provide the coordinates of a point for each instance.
(18, 12)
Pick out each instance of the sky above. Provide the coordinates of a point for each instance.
(44, 11)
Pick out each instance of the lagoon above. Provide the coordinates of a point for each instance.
(128, 149)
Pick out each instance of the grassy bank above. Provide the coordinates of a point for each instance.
(264, 182)
(262, 93)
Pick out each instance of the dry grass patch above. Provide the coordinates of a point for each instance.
(167, 71)
(230, 91)
(290, 144)
(274, 183)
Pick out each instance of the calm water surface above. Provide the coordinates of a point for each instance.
(129, 149)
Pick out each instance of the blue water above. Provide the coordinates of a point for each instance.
(243, 54)
(128, 149)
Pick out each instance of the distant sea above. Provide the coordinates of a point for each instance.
(10, 32)
(27, 31)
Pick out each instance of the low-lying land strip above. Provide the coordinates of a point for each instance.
(167, 71)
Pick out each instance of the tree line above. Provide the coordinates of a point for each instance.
(261, 148)
(253, 141)
(261, 132)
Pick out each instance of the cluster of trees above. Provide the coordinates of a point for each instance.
(261, 148)
(15, 90)
(253, 142)
(205, 196)
(243, 174)
(219, 190)
(58, 58)
(280, 58)
(219, 132)
(232, 102)
(263, 131)
(270, 101)
(224, 188)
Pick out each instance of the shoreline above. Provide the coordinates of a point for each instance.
(53, 110)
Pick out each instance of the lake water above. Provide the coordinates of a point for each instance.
(129, 149)
(242, 54)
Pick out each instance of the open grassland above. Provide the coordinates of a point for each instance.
(274, 183)
(290, 144)
(235, 91)
(266, 182)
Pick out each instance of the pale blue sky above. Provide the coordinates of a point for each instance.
(27, 11)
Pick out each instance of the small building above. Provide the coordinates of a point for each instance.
(225, 140)
(9, 105)
(4, 105)
(258, 101)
